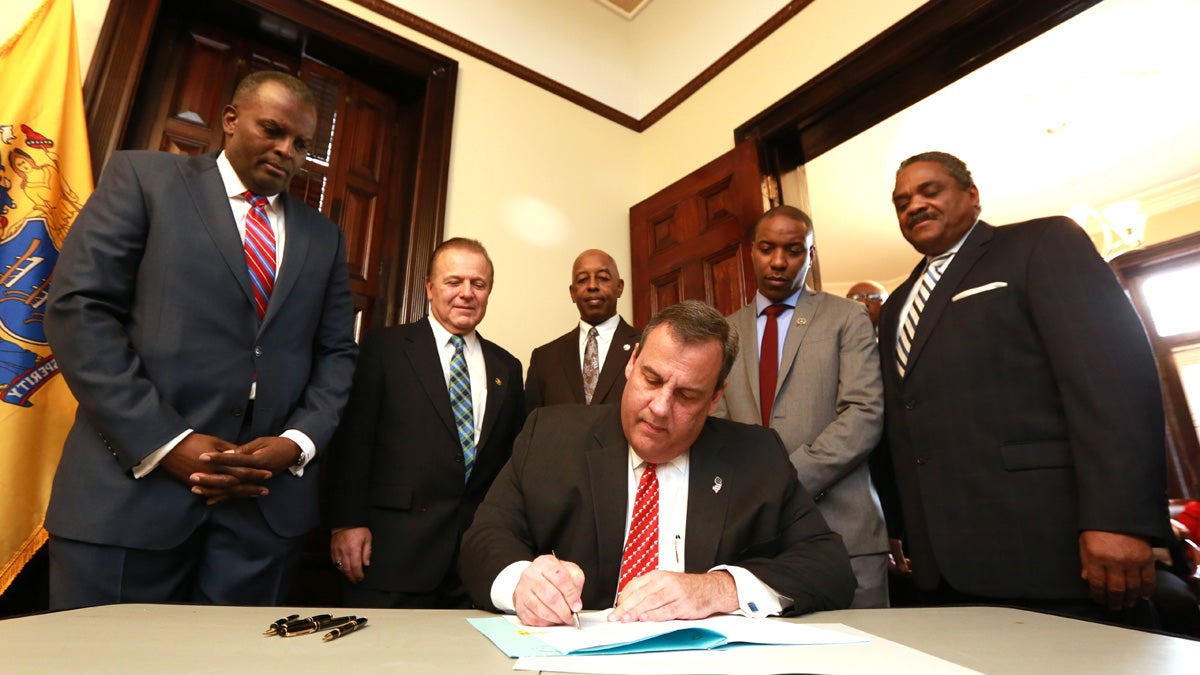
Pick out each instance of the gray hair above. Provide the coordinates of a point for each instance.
(953, 165)
(694, 323)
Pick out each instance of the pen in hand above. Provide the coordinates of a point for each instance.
(348, 627)
(574, 614)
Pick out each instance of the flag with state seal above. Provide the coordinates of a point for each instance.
(45, 176)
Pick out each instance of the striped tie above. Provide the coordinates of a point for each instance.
(641, 547)
(260, 251)
(460, 403)
(933, 272)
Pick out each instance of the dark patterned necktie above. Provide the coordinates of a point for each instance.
(591, 365)
(460, 403)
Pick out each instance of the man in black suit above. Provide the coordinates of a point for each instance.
(431, 419)
(711, 513)
(211, 357)
(592, 355)
(1024, 419)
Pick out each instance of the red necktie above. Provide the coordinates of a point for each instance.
(260, 251)
(768, 361)
(641, 548)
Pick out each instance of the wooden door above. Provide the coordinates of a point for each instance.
(689, 240)
(347, 170)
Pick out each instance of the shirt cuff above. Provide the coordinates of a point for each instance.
(755, 599)
(151, 461)
(506, 584)
(308, 450)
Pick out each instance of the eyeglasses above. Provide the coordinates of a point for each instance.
(864, 297)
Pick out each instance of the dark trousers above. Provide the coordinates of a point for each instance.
(219, 564)
(449, 594)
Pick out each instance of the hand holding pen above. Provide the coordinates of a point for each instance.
(549, 592)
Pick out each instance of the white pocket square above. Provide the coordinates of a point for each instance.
(979, 289)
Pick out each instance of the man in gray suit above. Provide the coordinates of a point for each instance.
(202, 318)
(821, 389)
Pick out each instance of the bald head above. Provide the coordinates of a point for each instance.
(872, 295)
(595, 286)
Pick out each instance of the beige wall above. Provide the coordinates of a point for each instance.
(1177, 222)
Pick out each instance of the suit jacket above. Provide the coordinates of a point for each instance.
(152, 320)
(556, 376)
(397, 463)
(828, 409)
(566, 490)
(1031, 411)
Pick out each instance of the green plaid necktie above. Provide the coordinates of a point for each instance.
(460, 403)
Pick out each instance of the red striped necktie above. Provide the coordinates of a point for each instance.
(641, 548)
(260, 251)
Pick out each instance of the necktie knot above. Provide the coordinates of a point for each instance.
(458, 342)
(774, 311)
(593, 333)
(256, 201)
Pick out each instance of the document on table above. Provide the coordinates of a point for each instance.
(597, 635)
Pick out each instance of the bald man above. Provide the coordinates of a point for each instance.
(872, 295)
(587, 364)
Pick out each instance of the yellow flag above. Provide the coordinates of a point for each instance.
(45, 176)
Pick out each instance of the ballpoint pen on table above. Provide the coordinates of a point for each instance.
(273, 629)
(574, 614)
(313, 626)
(293, 624)
(348, 627)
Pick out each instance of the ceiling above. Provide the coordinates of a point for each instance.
(1099, 109)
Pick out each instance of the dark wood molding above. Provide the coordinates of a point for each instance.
(937, 44)
(739, 50)
(390, 11)
(119, 61)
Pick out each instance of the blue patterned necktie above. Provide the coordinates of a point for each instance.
(933, 272)
(460, 403)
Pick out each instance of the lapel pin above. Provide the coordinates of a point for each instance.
(497, 381)
(625, 347)
(800, 321)
(717, 483)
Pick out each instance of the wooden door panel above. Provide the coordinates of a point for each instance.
(688, 241)
(356, 219)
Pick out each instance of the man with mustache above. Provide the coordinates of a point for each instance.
(431, 419)
(202, 318)
(1024, 442)
(808, 368)
(587, 365)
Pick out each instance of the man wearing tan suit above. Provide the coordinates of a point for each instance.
(827, 401)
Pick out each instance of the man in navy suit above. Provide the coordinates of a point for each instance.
(204, 395)
(1023, 412)
(422, 440)
(601, 344)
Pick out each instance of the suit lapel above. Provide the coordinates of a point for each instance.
(802, 316)
(968, 254)
(203, 183)
(889, 321)
(614, 361)
(497, 389)
(296, 241)
(746, 322)
(707, 468)
(608, 466)
(566, 359)
(422, 354)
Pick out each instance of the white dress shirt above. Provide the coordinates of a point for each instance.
(912, 293)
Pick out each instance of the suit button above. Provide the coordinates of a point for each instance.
(910, 403)
(236, 411)
(458, 458)
(921, 461)
(257, 351)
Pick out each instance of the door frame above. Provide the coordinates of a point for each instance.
(119, 60)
